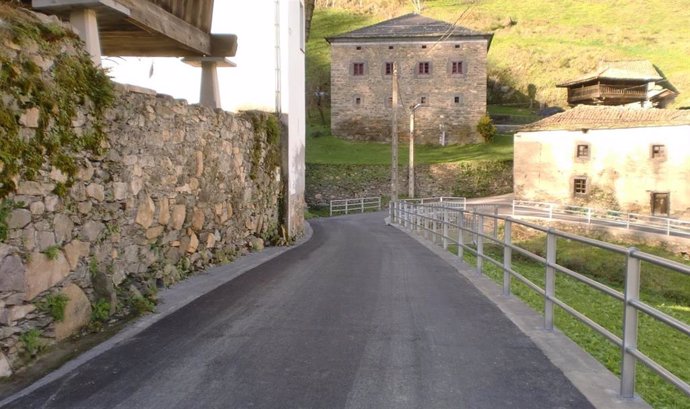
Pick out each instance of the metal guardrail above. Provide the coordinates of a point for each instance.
(629, 220)
(435, 221)
(358, 205)
(449, 201)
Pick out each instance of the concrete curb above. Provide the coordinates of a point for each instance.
(170, 300)
(589, 376)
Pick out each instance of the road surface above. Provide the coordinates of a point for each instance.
(361, 316)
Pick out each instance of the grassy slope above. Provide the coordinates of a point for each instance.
(330, 150)
(552, 41)
(665, 290)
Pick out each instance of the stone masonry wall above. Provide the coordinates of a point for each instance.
(177, 188)
(370, 119)
(475, 179)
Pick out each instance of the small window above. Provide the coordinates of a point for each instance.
(456, 68)
(423, 46)
(457, 45)
(424, 68)
(358, 68)
(388, 102)
(582, 151)
(390, 47)
(658, 151)
(580, 186)
(359, 47)
(457, 99)
(423, 100)
(388, 70)
(358, 100)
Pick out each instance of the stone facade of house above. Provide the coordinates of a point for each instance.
(632, 160)
(447, 78)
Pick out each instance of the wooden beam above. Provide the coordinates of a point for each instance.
(151, 17)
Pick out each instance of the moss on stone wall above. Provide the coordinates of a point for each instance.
(46, 87)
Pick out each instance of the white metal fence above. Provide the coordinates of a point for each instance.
(452, 226)
(357, 205)
(589, 215)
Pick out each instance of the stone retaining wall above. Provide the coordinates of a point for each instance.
(468, 179)
(177, 188)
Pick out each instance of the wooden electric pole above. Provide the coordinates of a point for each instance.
(410, 176)
(394, 137)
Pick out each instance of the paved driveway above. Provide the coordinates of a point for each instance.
(361, 316)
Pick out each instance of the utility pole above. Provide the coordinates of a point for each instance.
(394, 136)
(410, 176)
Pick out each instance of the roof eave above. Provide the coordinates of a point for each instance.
(347, 39)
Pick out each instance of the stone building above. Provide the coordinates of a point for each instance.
(637, 160)
(442, 67)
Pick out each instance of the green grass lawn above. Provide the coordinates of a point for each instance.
(665, 290)
(327, 149)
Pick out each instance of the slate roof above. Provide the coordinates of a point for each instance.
(410, 26)
(635, 70)
(609, 117)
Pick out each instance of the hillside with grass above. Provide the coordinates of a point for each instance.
(540, 42)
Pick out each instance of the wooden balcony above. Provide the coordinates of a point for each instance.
(607, 94)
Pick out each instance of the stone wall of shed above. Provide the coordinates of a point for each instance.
(178, 188)
(371, 119)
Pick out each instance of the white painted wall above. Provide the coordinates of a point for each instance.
(620, 161)
(251, 85)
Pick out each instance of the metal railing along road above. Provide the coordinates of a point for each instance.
(357, 205)
(628, 220)
(438, 222)
(448, 201)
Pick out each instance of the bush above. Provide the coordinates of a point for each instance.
(54, 305)
(486, 128)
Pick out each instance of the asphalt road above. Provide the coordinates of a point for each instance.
(361, 316)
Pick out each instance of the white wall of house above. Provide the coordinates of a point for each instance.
(620, 167)
(252, 84)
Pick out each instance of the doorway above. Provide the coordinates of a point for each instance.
(661, 204)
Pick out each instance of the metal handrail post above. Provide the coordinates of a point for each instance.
(361, 204)
(379, 201)
(427, 212)
(589, 215)
(496, 222)
(445, 228)
(507, 255)
(480, 244)
(631, 294)
(330, 204)
(347, 202)
(461, 241)
(549, 279)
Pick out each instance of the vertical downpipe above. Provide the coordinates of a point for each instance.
(279, 102)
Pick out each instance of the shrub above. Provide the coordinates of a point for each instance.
(100, 311)
(31, 340)
(486, 128)
(54, 305)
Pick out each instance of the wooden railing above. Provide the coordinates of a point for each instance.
(608, 91)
